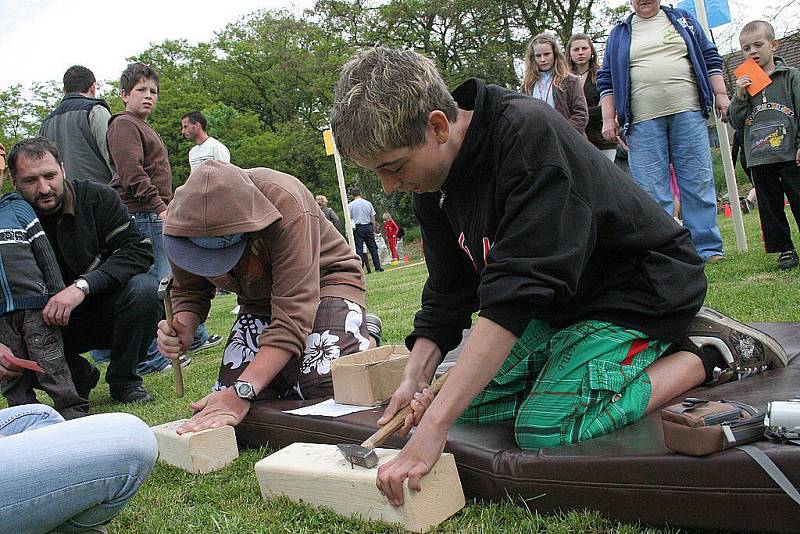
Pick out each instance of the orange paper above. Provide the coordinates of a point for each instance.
(758, 78)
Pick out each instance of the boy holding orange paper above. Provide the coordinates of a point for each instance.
(769, 119)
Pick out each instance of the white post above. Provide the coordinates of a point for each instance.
(725, 152)
(348, 225)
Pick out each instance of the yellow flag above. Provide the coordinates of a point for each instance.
(327, 136)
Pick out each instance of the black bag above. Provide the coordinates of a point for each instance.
(400, 232)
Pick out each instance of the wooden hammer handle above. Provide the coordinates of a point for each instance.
(396, 422)
(177, 372)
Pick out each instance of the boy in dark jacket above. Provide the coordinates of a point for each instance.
(581, 284)
(30, 276)
(771, 138)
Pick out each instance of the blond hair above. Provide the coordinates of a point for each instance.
(531, 75)
(759, 26)
(383, 99)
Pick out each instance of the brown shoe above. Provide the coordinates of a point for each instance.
(746, 351)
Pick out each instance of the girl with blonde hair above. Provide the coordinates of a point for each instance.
(548, 78)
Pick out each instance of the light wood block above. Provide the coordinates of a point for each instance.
(319, 475)
(196, 452)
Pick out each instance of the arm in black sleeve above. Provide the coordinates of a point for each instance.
(449, 297)
(544, 241)
(126, 251)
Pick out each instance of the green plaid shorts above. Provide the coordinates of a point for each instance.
(570, 385)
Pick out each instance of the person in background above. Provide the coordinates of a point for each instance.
(548, 79)
(661, 78)
(771, 138)
(206, 148)
(78, 127)
(583, 63)
(362, 213)
(392, 231)
(322, 202)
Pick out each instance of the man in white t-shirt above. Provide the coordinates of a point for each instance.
(193, 128)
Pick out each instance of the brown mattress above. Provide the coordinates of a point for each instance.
(627, 476)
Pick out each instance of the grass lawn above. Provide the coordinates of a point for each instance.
(746, 285)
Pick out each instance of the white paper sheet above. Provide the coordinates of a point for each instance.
(328, 408)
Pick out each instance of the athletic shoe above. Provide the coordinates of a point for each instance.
(155, 364)
(184, 359)
(746, 351)
(130, 394)
(787, 260)
(212, 341)
(374, 326)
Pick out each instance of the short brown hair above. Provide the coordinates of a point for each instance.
(133, 74)
(382, 101)
(760, 26)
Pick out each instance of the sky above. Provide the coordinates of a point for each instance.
(39, 39)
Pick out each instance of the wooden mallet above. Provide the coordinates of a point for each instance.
(164, 293)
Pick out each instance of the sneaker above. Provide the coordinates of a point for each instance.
(130, 394)
(184, 359)
(746, 351)
(787, 260)
(154, 365)
(374, 326)
(212, 341)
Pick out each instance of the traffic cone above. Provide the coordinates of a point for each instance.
(405, 258)
(728, 210)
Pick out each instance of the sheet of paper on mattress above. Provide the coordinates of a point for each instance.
(328, 408)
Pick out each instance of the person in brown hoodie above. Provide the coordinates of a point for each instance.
(300, 287)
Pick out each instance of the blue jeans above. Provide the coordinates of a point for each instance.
(71, 475)
(151, 226)
(681, 138)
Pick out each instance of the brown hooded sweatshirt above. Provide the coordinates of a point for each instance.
(142, 175)
(294, 257)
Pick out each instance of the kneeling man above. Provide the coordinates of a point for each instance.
(260, 234)
(583, 285)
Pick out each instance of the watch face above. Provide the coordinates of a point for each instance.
(244, 390)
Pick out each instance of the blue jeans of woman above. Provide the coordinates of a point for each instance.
(681, 138)
(69, 475)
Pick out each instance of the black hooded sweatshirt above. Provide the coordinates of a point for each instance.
(533, 222)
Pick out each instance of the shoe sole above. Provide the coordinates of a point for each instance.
(205, 346)
(771, 346)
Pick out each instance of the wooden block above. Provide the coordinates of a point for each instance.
(196, 452)
(370, 377)
(319, 475)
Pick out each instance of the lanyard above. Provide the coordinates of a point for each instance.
(549, 88)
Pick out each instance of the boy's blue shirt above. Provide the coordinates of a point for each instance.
(615, 74)
(770, 119)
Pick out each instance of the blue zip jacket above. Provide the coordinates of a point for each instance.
(615, 73)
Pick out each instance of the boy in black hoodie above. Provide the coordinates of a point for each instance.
(581, 283)
(771, 138)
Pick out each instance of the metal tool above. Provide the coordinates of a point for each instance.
(364, 455)
(165, 293)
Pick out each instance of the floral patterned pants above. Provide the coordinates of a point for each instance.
(339, 329)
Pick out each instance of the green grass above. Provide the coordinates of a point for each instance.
(746, 285)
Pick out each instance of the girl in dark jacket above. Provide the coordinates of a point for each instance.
(548, 78)
(582, 62)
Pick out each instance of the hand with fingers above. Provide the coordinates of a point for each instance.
(415, 461)
(742, 83)
(59, 308)
(216, 409)
(173, 339)
(412, 392)
(8, 371)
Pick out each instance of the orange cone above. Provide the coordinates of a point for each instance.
(728, 210)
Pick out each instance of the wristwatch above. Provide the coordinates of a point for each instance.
(83, 285)
(244, 390)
